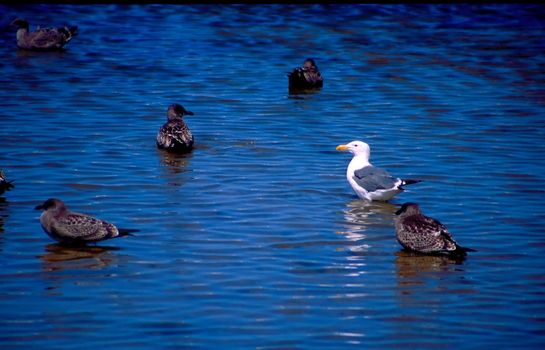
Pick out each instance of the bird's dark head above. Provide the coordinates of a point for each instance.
(50, 203)
(309, 63)
(409, 208)
(177, 111)
(19, 23)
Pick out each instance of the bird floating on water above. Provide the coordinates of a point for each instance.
(42, 38)
(5, 185)
(69, 227)
(420, 233)
(369, 182)
(306, 77)
(174, 135)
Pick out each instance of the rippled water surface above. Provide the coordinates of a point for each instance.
(255, 239)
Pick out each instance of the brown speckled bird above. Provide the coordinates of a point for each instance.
(74, 228)
(42, 38)
(306, 77)
(174, 135)
(420, 233)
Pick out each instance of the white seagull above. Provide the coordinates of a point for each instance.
(369, 182)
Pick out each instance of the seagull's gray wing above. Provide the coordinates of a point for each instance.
(81, 227)
(372, 178)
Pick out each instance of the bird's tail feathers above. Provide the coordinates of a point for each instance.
(460, 252)
(126, 231)
(7, 185)
(465, 249)
(410, 181)
(73, 30)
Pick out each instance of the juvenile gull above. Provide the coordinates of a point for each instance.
(68, 227)
(174, 135)
(306, 77)
(5, 185)
(420, 233)
(369, 182)
(42, 38)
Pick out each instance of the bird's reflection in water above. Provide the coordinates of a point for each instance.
(299, 94)
(413, 264)
(3, 212)
(173, 165)
(360, 215)
(63, 257)
(425, 281)
(174, 162)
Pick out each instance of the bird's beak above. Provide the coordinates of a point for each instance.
(341, 148)
(38, 207)
(398, 211)
(189, 113)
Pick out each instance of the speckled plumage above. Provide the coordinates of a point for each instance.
(5, 185)
(175, 135)
(66, 226)
(306, 77)
(42, 38)
(418, 232)
(369, 182)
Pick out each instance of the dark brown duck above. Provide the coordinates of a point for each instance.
(174, 135)
(420, 233)
(306, 77)
(42, 38)
(69, 227)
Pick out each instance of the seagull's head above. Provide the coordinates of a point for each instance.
(19, 23)
(357, 148)
(408, 208)
(177, 111)
(50, 203)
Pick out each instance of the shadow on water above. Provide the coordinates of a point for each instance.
(62, 257)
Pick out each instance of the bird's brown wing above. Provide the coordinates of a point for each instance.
(81, 227)
(427, 234)
(46, 38)
(174, 133)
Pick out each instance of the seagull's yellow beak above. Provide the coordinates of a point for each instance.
(341, 148)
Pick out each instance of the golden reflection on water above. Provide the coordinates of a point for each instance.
(61, 257)
(410, 266)
(174, 163)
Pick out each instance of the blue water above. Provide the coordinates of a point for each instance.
(255, 240)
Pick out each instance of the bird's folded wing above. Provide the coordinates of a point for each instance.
(372, 178)
(45, 38)
(80, 226)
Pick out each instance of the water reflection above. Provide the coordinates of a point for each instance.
(294, 93)
(3, 212)
(62, 257)
(410, 265)
(174, 163)
(41, 55)
(360, 215)
(3, 216)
